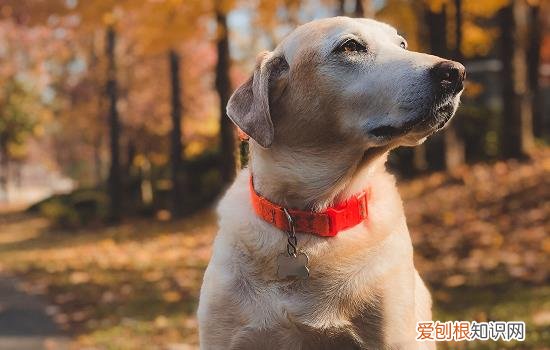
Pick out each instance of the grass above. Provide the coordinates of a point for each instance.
(509, 302)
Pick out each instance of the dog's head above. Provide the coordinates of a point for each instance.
(346, 81)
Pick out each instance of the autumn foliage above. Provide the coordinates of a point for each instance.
(125, 100)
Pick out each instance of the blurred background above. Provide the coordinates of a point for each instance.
(114, 147)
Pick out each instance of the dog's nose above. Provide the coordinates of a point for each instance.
(449, 75)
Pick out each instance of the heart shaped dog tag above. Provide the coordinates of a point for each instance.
(292, 267)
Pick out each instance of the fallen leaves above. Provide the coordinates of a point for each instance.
(136, 285)
(490, 222)
(140, 279)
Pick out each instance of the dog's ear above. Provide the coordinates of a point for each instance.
(248, 107)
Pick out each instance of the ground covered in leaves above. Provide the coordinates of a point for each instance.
(482, 244)
(482, 240)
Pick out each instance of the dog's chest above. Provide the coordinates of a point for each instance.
(315, 315)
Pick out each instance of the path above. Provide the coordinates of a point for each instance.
(24, 323)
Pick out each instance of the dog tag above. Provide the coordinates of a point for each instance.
(292, 267)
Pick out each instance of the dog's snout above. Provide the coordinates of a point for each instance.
(449, 75)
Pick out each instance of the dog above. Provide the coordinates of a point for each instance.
(322, 112)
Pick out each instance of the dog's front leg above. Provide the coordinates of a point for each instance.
(401, 309)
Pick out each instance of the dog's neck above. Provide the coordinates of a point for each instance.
(310, 179)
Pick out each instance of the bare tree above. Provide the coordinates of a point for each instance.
(436, 24)
(363, 8)
(516, 139)
(454, 145)
(4, 170)
(533, 65)
(176, 143)
(114, 182)
(341, 11)
(223, 87)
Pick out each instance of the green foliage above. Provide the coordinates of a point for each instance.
(18, 114)
(75, 209)
(506, 302)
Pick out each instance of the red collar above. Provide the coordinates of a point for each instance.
(326, 223)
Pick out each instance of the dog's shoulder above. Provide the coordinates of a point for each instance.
(235, 203)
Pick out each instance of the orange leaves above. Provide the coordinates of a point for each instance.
(79, 277)
(137, 284)
(480, 40)
(224, 6)
(486, 8)
(437, 5)
(492, 221)
(475, 7)
(158, 26)
(140, 278)
(171, 296)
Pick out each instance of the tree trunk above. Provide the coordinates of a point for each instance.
(223, 87)
(4, 172)
(454, 145)
(363, 8)
(114, 182)
(516, 140)
(131, 152)
(436, 23)
(98, 178)
(97, 142)
(341, 11)
(176, 143)
(533, 56)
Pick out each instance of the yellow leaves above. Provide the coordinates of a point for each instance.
(479, 40)
(449, 218)
(161, 25)
(159, 158)
(403, 15)
(194, 148)
(109, 19)
(171, 296)
(140, 161)
(486, 8)
(455, 281)
(161, 321)
(79, 277)
(473, 89)
(153, 276)
(496, 240)
(224, 6)
(436, 5)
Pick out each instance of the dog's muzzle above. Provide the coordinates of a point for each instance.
(448, 77)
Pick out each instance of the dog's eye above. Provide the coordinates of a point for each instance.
(403, 45)
(352, 46)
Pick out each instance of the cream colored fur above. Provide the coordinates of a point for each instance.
(312, 146)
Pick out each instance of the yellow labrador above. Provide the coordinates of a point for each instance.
(322, 111)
